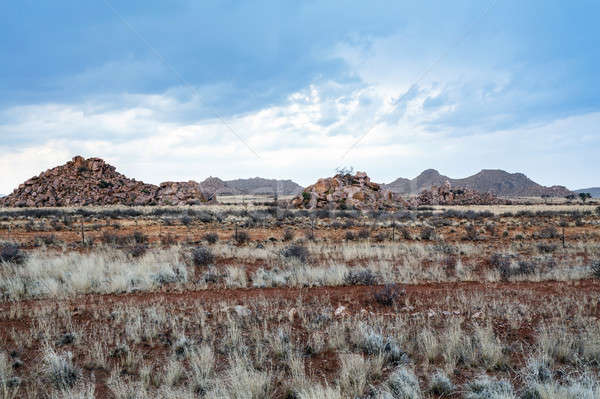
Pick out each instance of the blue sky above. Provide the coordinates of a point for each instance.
(457, 86)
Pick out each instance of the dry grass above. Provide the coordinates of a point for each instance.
(104, 323)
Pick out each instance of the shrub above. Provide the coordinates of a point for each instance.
(46, 239)
(441, 385)
(309, 235)
(202, 256)
(360, 277)
(525, 268)
(472, 233)
(427, 233)
(288, 235)
(241, 237)
(60, 369)
(322, 213)
(376, 344)
(138, 251)
(491, 229)
(596, 269)
(387, 296)
(350, 236)
(139, 237)
(299, 252)
(403, 384)
(168, 240)
(211, 238)
(548, 232)
(381, 236)
(546, 248)
(485, 387)
(186, 220)
(537, 370)
(502, 264)
(10, 253)
(364, 234)
(405, 232)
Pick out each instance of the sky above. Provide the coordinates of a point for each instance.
(183, 90)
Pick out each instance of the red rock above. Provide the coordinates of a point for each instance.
(347, 191)
(94, 182)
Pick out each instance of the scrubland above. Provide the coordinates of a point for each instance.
(255, 301)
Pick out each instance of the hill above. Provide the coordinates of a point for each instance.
(258, 186)
(214, 185)
(496, 181)
(594, 191)
(94, 182)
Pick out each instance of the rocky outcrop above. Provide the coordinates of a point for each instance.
(446, 195)
(92, 181)
(345, 191)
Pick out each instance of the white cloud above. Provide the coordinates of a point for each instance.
(292, 139)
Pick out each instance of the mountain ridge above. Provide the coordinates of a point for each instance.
(495, 181)
(594, 191)
(261, 186)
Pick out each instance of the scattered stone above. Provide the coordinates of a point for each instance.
(340, 311)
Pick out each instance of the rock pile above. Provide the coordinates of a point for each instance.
(345, 191)
(446, 195)
(92, 181)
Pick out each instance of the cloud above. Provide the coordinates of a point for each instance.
(291, 140)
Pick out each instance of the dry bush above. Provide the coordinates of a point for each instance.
(241, 237)
(11, 253)
(59, 369)
(364, 234)
(296, 251)
(388, 295)
(202, 256)
(360, 277)
(427, 233)
(596, 269)
(548, 232)
(440, 384)
(211, 238)
(288, 235)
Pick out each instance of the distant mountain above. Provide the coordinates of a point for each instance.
(214, 185)
(258, 185)
(594, 191)
(494, 181)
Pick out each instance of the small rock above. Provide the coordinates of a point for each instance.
(340, 311)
